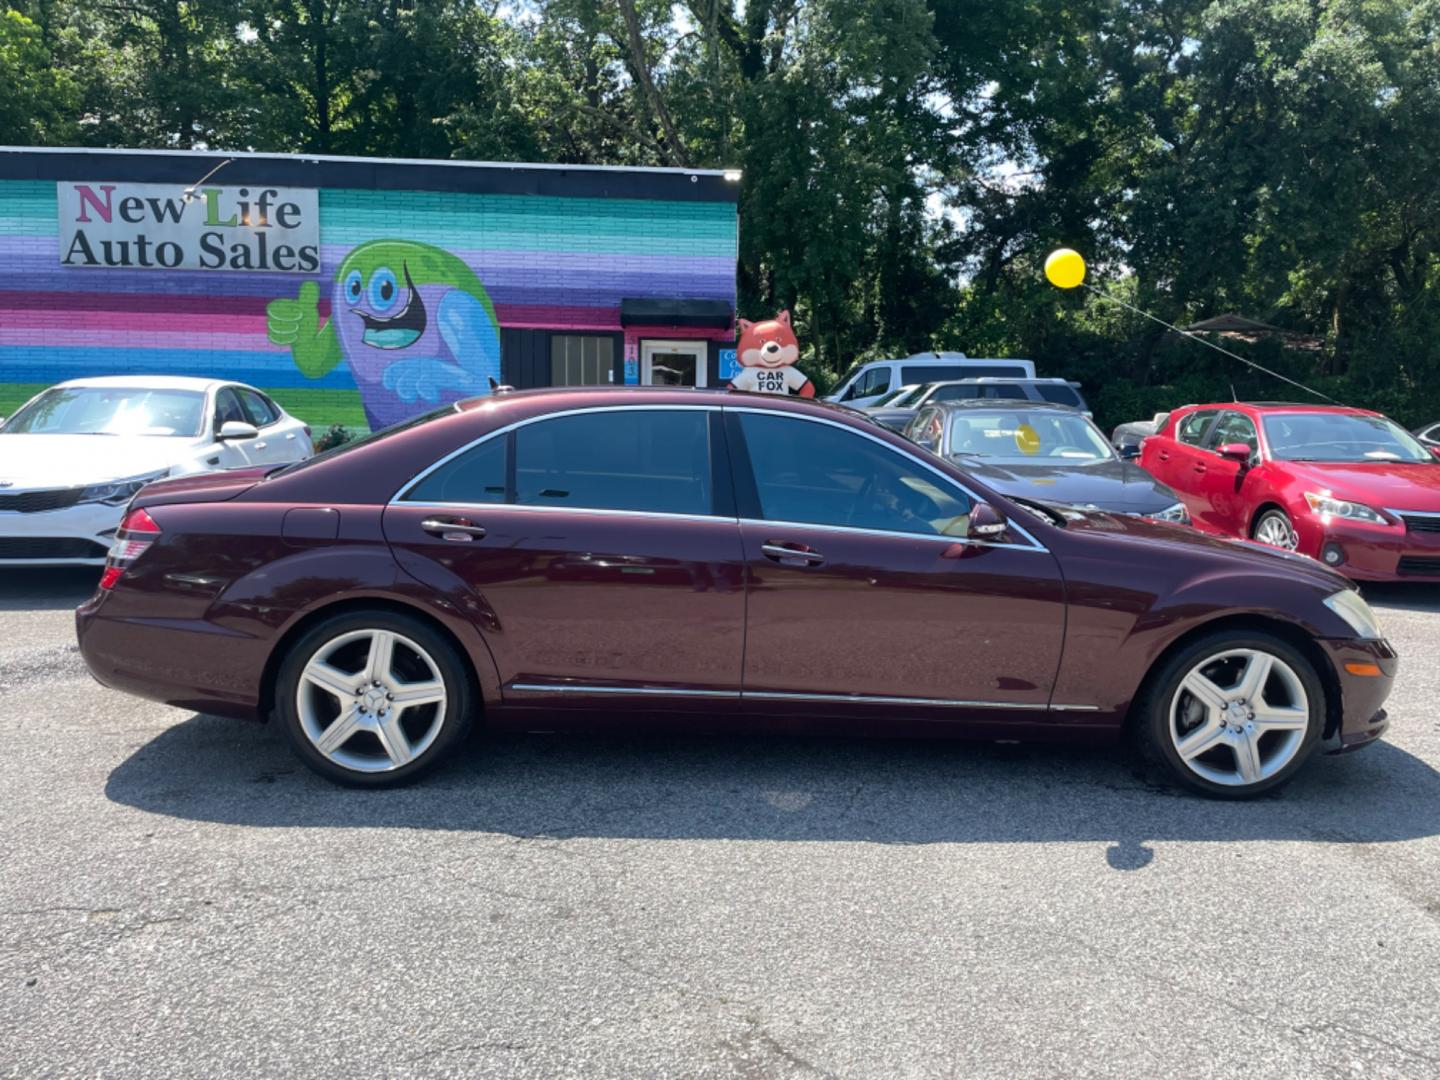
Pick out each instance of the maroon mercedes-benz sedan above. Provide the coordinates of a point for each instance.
(556, 559)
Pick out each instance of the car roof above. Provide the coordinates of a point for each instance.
(1008, 404)
(557, 398)
(150, 382)
(1285, 406)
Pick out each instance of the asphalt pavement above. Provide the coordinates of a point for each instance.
(180, 898)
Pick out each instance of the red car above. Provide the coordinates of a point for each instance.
(1345, 486)
(710, 560)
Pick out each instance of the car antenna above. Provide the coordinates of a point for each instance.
(498, 387)
(1234, 396)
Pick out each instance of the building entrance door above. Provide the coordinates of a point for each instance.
(673, 363)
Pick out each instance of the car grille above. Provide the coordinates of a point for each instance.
(34, 502)
(1421, 522)
(49, 547)
(1418, 564)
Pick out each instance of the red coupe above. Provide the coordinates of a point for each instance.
(1345, 486)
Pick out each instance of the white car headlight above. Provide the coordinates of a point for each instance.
(1325, 504)
(1351, 607)
(116, 492)
(1173, 513)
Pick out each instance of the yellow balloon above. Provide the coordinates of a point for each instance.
(1027, 439)
(1065, 268)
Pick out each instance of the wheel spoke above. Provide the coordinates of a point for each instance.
(1280, 718)
(1205, 737)
(331, 679)
(382, 656)
(1210, 695)
(1247, 756)
(1251, 686)
(339, 731)
(429, 692)
(393, 739)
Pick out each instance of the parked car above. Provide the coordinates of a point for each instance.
(1046, 453)
(723, 563)
(1430, 436)
(1342, 485)
(72, 456)
(1126, 438)
(865, 384)
(901, 409)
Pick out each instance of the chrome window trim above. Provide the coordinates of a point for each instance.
(857, 531)
(598, 510)
(974, 498)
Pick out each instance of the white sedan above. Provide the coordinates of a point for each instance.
(73, 456)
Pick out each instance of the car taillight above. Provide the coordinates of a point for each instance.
(136, 533)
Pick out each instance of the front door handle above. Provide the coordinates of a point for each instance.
(788, 554)
(259, 446)
(456, 530)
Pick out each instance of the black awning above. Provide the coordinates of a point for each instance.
(709, 313)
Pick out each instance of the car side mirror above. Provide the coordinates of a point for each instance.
(1128, 453)
(987, 523)
(237, 429)
(1236, 451)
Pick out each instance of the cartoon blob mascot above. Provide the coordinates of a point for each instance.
(768, 351)
(414, 323)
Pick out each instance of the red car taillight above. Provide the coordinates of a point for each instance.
(136, 533)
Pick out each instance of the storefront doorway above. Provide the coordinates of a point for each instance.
(674, 363)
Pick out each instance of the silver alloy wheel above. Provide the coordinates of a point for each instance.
(1275, 529)
(1239, 717)
(371, 700)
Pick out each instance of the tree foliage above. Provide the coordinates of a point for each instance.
(907, 163)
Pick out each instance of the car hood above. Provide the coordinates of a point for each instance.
(1183, 541)
(1107, 484)
(28, 462)
(1398, 485)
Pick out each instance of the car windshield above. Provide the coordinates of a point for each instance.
(107, 410)
(1026, 435)
(894, 396)
(366, 440)
(1324, 436)
(908, 396)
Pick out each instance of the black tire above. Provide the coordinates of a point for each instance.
(1152, 711)
(1278, 518)
(446, 659)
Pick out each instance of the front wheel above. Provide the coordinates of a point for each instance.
(1274, 528)
(1233, 714)
(373, 699)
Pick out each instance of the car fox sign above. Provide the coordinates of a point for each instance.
(167, 227)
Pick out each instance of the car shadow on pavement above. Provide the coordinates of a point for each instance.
(1405, 595)
(777, 788)
(46, 588)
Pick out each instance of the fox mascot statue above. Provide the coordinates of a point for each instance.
(767, 352)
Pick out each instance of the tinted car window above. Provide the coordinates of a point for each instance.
(257, 410)
(1060, 394)
(918, 373)
(926, 428)
(1234, 428)
(1192, 428)
(813, 473)
(227, 409)
(631, 459)
(476, 476)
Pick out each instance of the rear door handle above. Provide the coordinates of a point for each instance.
(456, 530)
(788, 554)
(259, 446)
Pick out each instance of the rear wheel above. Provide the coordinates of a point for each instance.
(373, 699)
(1233, 714)
(1274, 528)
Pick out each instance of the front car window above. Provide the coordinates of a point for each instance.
(629, 459)
(103, 410)
(1025, 435)
(1235, 427)
(926, 429)
(815, 474)
(1326, 436)
(1191, 429)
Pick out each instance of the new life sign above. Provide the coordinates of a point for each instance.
(154, 227)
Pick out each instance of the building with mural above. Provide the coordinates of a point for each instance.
(361, 291)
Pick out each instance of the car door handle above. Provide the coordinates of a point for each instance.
(290, 436)
(456, 530)
(259, 446)
(1200, 468)
(788, 554)
(1163, 456)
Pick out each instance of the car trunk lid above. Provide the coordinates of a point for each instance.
(204, 487)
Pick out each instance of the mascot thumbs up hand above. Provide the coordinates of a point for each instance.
(768, 351)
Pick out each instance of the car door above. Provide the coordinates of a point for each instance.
(232, 453)
(598, 552)
(1172, 460)
(1227, 485)
(278, 442)
(865, 587)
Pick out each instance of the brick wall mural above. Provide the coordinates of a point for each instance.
(422, 282)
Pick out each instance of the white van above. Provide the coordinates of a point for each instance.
(865, 384)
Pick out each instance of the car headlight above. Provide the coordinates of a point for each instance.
(1176, 513)
(1351, 607)
(1325, 504)
(116, 492)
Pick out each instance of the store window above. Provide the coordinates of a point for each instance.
(581, 361)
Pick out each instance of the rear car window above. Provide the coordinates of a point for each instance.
(476, 476)
(1060, 394)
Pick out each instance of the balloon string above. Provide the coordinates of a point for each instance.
(1209, 344)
